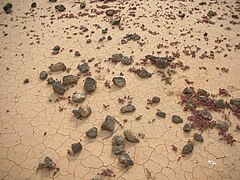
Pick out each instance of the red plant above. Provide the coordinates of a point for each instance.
(226, 137)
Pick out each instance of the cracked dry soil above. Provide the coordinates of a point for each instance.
(69, 69)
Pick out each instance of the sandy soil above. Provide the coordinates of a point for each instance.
(36, 124)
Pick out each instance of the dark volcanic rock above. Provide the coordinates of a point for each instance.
(109, 123)
(57, 67)
(219, 104)
(161, 114)
(187, 127)
(43, 75)
(126, 60)
(211, 13)
(60, 8)
(128, 108)
(155, 99)
(26, 81)
(202, 92)
(58, 88)
(48, 163)
(77, 53)
(56, 48)
(206, 115)
(50, 80)
(117, 57)
(90, 84)
(33, 5)
(134, 37)
(143, 73)
(125, 159)
(188, 148)
(177, 119)
(83, 68)
(88, 41)
(52, 0)
(162, 63)
(70, 79)
(190, 105)
(116, 21)
(82, 112)
(82, 5)
(92, 133)
(110, 12)
(8, 8)
(198, 137)
(76, 147)
(223, 126)
(235, 101)
(78, 97)
(119, 81)
(130, 136)
(187, 91)
(118, 144)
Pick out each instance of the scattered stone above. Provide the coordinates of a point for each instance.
(98, 177)
(161, 114)
(90, 84)
(78, 97)
(223, 126)
(88, 41)
(206, 115)
(109, 123)
(128, 108)
(119, 81)
(104, 31)
(160, 62)
(220, 104)
(202, 92)
(143, 73)
(187, 91)
(235, 101)
(110, 12)
(188, 148)
(233, 108)
(83, 68)
(52, 0)
(117, 144)
(70, 79)
(50, 80)
(43, 75)
(48, 163)
(60, 8)
(125, 160)
(92, 133)
(123, 41)
(82, 5)
(198, 137)
(26, 81)
(8, 8)
(130, 136)
(56, 48)
(33, 5)
(177, 119)
(57, 67)
(190, 105)
(116, 21)
(77, 53)
(126, 60)
(134, 37)
(109, 38)
(211, 13)
(155, 99)
(76, 147)
(187, 127)
(58, 88)
(82, 112)
(117, 57)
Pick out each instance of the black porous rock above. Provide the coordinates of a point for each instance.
(76, 147)
(177, 119)
(126, 60)
(119, 81)
(58, 88)
(125, 159)
(92, 133)
(131, 136)
(206, 115)
(43, 75)
(223, 126)
(187, 127)
(198, 137)
(70, 79)
(161, 114)
(109, 123)
(128, 108)
(57, 67)
(117, 57)
(188, 148)
(83, 68)
(118, 144)
(90, 84)
(143, 73)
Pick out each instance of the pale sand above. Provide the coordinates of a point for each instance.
(23, 144)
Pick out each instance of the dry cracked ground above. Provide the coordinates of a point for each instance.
(186, 52)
